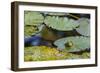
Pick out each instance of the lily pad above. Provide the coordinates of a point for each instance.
(33, 18)
(56, 13)
(84, 26)
(73, 44)
(60, 23)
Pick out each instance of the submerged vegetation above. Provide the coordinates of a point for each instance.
(44, 53)
(56, 36)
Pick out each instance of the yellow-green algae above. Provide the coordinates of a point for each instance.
(30, 30)
(44, 53)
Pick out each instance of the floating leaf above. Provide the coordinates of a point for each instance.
(33, 18)
(56, 13)
(60, 23)
(73, 44)
(84, 26)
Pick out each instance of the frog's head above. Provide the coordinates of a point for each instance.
(69, 44)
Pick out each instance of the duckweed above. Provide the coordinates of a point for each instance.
(44, 53)
(30, 30)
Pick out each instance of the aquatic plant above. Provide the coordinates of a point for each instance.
(42, 53)
(33, 22)
(33, 18)
(30, 30)
(73, 44)
(56, 13)
(53, 27)
(84, 26)
(60, 23)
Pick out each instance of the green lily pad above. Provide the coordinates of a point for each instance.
(60, 23)
(57, 13)
(73, 44)
(33, 18)
(84, 26)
